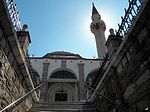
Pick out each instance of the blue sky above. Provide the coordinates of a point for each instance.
(64, 25)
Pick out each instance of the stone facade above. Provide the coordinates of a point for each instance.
(65, 73)
(15, 78)
(12, 86)
(127, 78)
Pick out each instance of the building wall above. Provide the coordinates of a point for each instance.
(55, 64)
(12, 86)
(80, 68)
(15, 79)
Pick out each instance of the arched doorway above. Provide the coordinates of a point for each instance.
(57, 93)
(62, 86)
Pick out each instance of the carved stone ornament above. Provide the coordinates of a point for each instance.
(98, 25)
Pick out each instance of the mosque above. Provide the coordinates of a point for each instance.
(61, 81)
(67, 72)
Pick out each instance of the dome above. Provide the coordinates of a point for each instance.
(62, 54)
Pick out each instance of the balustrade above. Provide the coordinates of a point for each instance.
(128, 19)
(14, 14)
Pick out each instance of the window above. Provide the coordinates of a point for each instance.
(63, 64)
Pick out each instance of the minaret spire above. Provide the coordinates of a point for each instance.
(94, 10)
(98, 28)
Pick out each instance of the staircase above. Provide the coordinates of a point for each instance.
(63, 107)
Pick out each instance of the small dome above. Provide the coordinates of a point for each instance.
(62, 54)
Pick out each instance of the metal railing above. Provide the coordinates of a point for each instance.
(14, 15)
(100, 71)
(22, 98)
(35, 77)
(106, 98)
(128, 19)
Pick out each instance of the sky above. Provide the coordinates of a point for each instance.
(64, 25)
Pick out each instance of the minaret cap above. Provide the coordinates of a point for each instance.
(94, 11)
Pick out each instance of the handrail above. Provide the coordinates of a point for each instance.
(129, 17)
(24, 96)
(109, 100)
(14, 15)
(100, 72)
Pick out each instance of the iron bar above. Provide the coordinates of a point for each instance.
(130, 14)
(109, 100)
(134, 10)
(141, 1)
(11, 6)
(24, 96)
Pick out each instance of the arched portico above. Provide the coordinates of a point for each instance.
(90, 77)
(65, 70)
(59, 90)
(62, 86)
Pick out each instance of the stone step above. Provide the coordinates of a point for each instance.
(63, 107)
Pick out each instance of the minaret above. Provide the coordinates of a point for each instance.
(98, 28)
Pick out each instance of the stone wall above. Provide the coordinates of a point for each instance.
(15, 79)
(127, 78)
(12, 85)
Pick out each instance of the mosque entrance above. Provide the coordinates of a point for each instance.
(62, 86)
(61, 96)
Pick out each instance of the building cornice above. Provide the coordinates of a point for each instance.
(67, 58)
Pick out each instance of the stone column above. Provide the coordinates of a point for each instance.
(44, 89)
(76, 91)
(82, 90)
